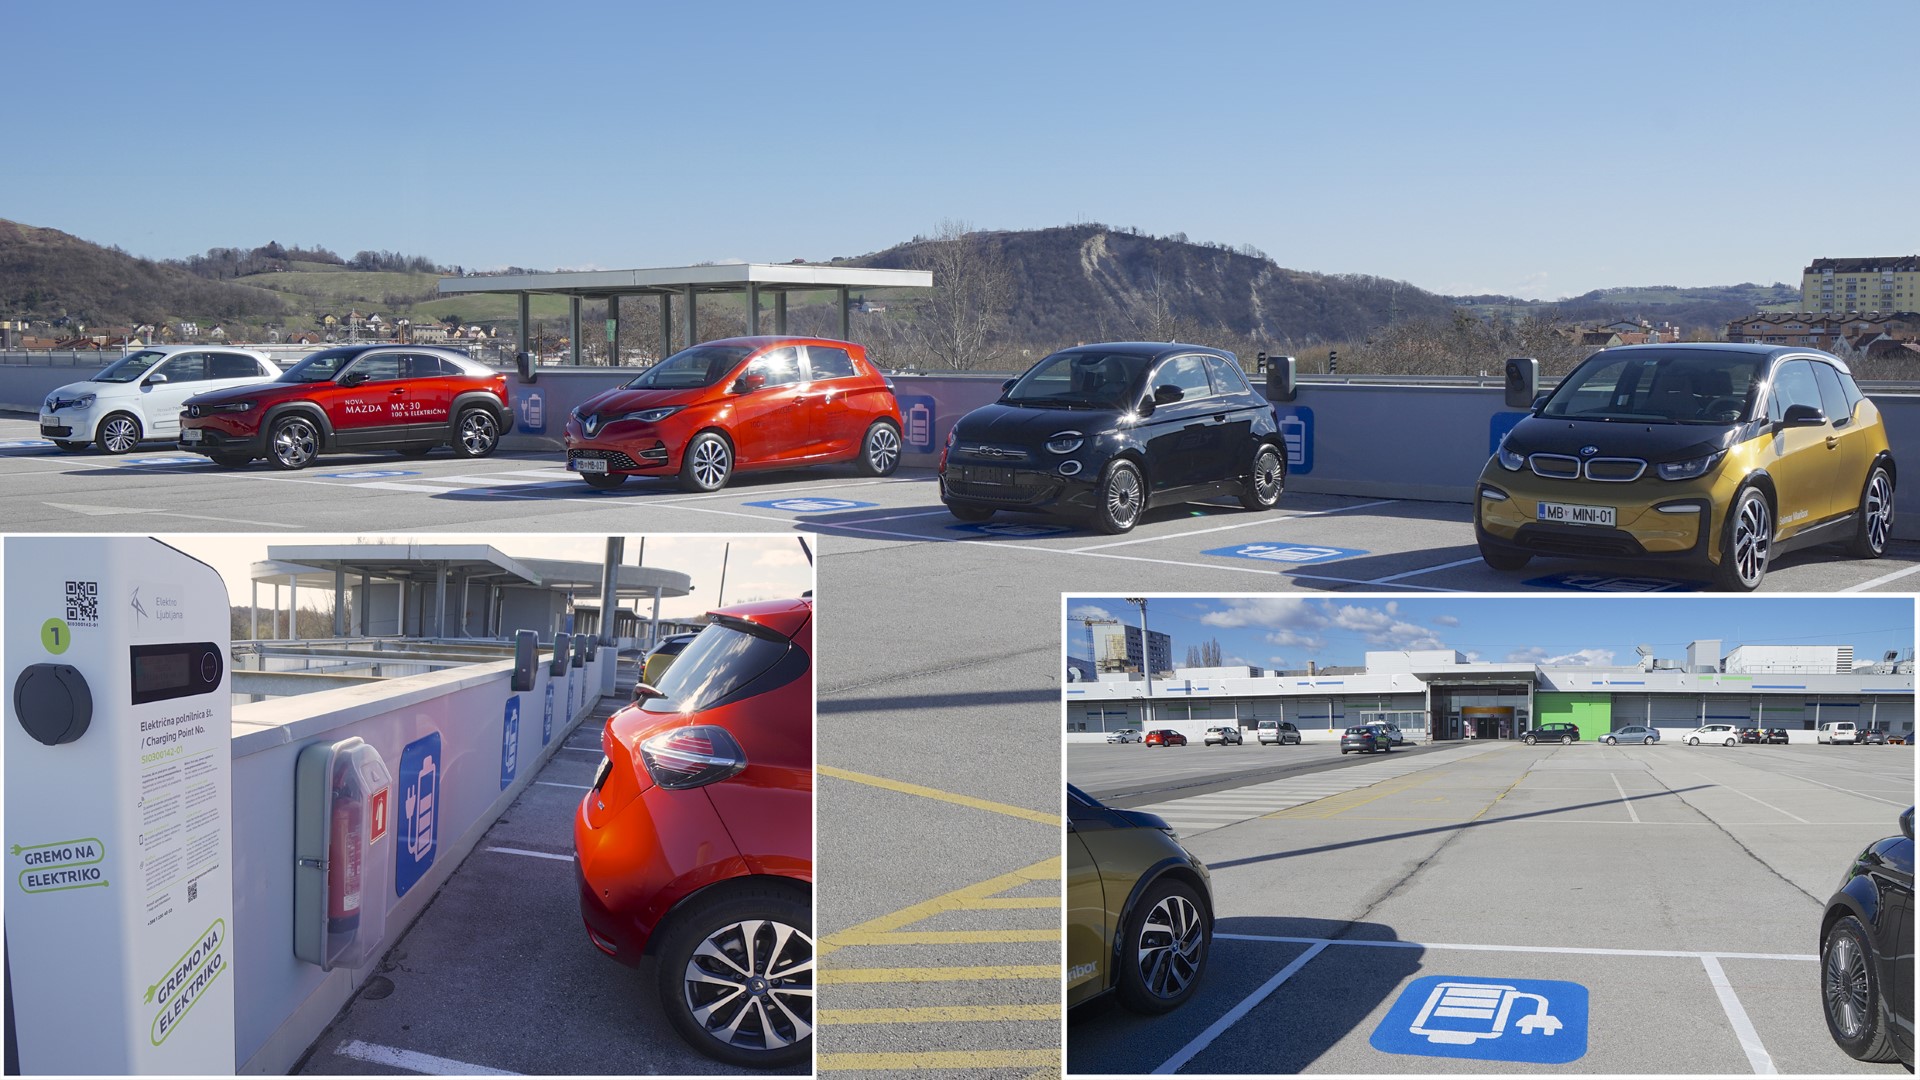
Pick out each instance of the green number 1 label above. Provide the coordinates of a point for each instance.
(56, 635)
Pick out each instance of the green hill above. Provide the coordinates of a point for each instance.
(45, 273)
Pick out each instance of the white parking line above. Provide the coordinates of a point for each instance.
(1426, 570)
(532, 854)
(1234, 1015)
(578, 787)
(1757, 1055)
(1744, 795)
(413, 1061)
(1848, 791)
(1623, 798)
(417, 487)
(1882, 579)
(1257, 520)
(1685, 954)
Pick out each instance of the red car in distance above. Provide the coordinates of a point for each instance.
(738, 405)
(695, 844)
(358, 397)
(1165, 737)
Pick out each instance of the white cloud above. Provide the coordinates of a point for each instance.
(1582, 658)
(1268, 611)
(1527, 656)
(1088, 611)
(1446, 620)
(1277, 663)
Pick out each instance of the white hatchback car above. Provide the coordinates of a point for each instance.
(1725, 734)
(1125, 735)
(139, 396)
(1225, 736)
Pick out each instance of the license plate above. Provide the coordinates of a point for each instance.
(190, 435)
(989, 475)
(589, 464)
(49, 420)
(1575, 514)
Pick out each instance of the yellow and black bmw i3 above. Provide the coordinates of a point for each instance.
(1722, 456)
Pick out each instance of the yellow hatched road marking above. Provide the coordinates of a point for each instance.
(943, 937)
(936, 974)
(943, 796)
(962, 899)
(950, 1059)
(939, 1014)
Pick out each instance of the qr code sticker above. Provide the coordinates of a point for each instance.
(193, 891)
(83, 603)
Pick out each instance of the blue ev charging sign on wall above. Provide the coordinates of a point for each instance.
(510, 743)
(1499, 425)
(1296, 427)
(918, 411)
(546, 724)
(811, 506)
(1295, 554)
(419, 788)
(1539, 1021)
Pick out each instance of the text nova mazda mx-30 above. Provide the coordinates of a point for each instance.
(1719, 456)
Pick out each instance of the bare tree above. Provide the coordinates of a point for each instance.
(958, 327)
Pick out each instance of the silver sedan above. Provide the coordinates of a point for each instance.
(1632, 733)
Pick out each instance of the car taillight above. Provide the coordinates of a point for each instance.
(689, 757)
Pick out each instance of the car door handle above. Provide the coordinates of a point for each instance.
(398, 390)
(1832, 442)
(1219, 418)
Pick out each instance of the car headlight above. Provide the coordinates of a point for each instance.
(1690, 468)
(950, 432)
(1065, 442)
(78, 401)
(1509, 460)
(228, 406)
(651, 416)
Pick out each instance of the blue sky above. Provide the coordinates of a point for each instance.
(1535, 149)
(1286, 631)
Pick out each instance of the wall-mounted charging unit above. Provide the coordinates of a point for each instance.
(119, 843)
(593, 648)
(526, 657)
(558, 667)
(579, 650)
(1522, 382)
(342, 808)
(1281, 382)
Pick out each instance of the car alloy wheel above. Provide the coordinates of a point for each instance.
(1566, 740)
(478, 434)
(1648, 741)
(1268, 479)
(736, 978)
(1693, 742)
(1850, 994)
(1729, 742)
(1876, 516)
(1611, 741)
(882, 454)
(1122, 498)
(1749, 541)
(708, 464)
(293, 444)
(1166, 938)
(119, 434)
(1530, 740)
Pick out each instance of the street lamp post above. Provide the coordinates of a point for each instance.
(1146, 654)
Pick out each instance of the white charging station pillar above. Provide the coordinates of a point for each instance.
(118, 834)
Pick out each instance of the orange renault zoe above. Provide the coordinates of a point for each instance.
(695, 843)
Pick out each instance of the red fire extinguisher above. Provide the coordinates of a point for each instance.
(343, 872)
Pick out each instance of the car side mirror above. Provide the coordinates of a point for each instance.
(1167, 395)
(1145, 408)
(642, 692)
(1802, 416)
(1540, 401)
(747, 384)
(1008, 385)
(1906, 822)
(354, 378)
(156, 379)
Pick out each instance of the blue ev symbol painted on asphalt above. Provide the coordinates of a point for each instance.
(1297, 554)
(1014, 529)
(368, 474)
(160, 460)
(1610, 583)
(811, 506)
(1296, 427)
(419, 780)
(510, 743)
(24, 444)
(1540, 1021)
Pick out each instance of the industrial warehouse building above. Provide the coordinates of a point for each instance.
(1442, 696)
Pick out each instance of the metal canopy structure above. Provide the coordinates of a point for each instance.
(749, 280)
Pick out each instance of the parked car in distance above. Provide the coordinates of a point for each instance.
(1724, 734)
(1837, 732)
(1124, 735)
(1554, 732)
(1752, 735)
(1106, 432)
(739, 405)
(1875, 737)
(1365, 739)
(1866, 952)
(1389, 732)
(695, 843)
(1277, 733)
(353, 398)
(1777, 735)
(1632, 733)
(661, 657)
(1719, 457)
(138, 397)
(1165, 737)
(1225, 736)
(1139, 909)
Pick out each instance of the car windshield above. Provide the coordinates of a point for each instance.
(1083, 380)
(1359, 731)
(131, 367)
(320, 367)
(1660, 387)
(688, 369)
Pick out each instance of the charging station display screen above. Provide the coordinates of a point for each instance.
(174, 670)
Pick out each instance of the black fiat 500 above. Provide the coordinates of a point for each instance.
(1107, 431)
(1866, 952)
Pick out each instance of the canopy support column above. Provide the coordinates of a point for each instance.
(573, 330)
(780, 312)
(691, 334)
(753, 309)
(845, 326)
(666, 325)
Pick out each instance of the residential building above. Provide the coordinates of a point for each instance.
(1813, 329)
(1891, 283)
(1116, 647)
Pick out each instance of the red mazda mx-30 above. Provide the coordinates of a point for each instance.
(696, 842)
(739, 405)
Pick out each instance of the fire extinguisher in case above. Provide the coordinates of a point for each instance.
(343, 870)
